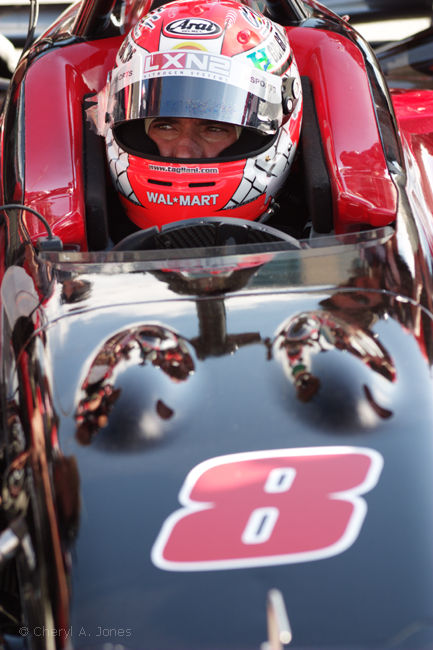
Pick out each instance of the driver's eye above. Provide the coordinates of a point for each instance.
(360, 298)
(217, 130)
(163, 126)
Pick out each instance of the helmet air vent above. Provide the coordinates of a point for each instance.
(155, 182)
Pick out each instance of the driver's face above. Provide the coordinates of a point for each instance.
(180, 137)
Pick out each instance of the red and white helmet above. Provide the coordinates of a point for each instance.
(218, 61)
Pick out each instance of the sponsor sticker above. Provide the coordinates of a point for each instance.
(182, 199)
(200, 64)
(184, 170)
(271, 56)
(197, 27)
(127, 50)
(125, 75)
(231, 18)
(255, 20)
(187, 61)
(148, 22)
(173, 10)
(260, 59)
(268, 508)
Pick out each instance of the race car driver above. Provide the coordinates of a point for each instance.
(202, 114)
(185, 137)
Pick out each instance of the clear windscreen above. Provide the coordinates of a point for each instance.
(352, 244)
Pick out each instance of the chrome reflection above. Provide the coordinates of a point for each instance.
(146, 345)
(319, 353)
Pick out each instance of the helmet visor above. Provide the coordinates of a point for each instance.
(195, 84)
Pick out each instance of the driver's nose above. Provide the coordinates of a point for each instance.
(188, 142)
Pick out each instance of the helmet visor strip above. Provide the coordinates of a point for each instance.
(195, 85)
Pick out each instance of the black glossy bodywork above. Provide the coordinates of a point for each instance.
(177, 363)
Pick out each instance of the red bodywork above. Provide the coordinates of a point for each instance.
(414, 110)
(362, 189)
(55, 86)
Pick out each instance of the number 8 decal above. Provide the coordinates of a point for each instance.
(268, 507)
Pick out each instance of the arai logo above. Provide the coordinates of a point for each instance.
(193, 27)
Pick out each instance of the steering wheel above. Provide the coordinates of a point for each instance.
(203, 233)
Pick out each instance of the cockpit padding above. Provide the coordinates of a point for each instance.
(95, 186)
(317, 182)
